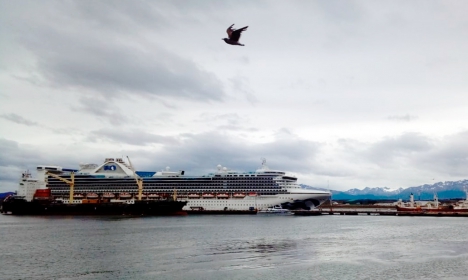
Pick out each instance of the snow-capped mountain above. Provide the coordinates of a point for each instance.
(385, 191)
(444, 190)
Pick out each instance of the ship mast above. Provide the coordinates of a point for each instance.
(138, 180)
(71, 182)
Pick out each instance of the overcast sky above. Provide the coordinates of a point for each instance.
(345, 94)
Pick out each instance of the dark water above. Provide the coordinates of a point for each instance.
(234, 247)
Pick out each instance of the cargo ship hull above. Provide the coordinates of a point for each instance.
(432, 207)
(447, 209)
(139, 208)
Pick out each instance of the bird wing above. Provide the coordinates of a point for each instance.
(235, 36)
(229, 30)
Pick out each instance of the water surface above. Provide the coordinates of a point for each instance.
(234, 247)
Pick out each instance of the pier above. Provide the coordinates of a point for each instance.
(366, 211)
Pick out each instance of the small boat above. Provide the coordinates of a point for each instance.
(193, 195)
(78, 196)
(277, 209)
(253, 194)
(222, 195)
(208, 195)
(92, 196)
(238, 195)
(108, 195)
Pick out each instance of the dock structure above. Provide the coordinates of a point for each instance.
(376, 212)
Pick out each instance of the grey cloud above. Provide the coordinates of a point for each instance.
(122, 15)
(244, 60)
(101, 108)
(198, 152)
(10, 153)
(9, 175)
(18, 119)
(232, 121)
(388, 151)
(14, 160)
(343, 12)
(201, 153)
(233, 127)
(402, 118)
(398, 160)
(73, 51)
(450, 156)
(240, 84)
(117, 69)
(416, 155)
(230, 117)
(132, 137)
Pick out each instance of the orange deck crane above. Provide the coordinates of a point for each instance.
(71, 182)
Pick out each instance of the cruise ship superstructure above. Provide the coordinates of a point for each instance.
(222, 190)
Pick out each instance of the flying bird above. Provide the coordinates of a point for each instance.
(234, 35)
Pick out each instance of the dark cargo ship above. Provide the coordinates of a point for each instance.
(19, 206)
(43, 205)
(34, 199)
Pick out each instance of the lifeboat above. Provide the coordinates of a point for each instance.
(92, 196)
(193, 195)
(108, 195)
(125, 195)
(153, 196)
(78, 196)
(208, 195)
(238, 195)
(253, 194)
(143, 196)
(222, 195)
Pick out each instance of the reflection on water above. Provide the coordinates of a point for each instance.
(233, 247)
(261, 246)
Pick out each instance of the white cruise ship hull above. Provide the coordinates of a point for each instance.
(301, 198)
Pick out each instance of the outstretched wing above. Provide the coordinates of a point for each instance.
(235, 36)
(229, 30)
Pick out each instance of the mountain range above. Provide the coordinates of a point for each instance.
(444, 190)
(3, 195)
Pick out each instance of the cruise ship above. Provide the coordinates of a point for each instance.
(223, 189)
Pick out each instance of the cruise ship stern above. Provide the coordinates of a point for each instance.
(307, 199)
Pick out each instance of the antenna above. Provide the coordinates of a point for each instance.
(264, 166)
